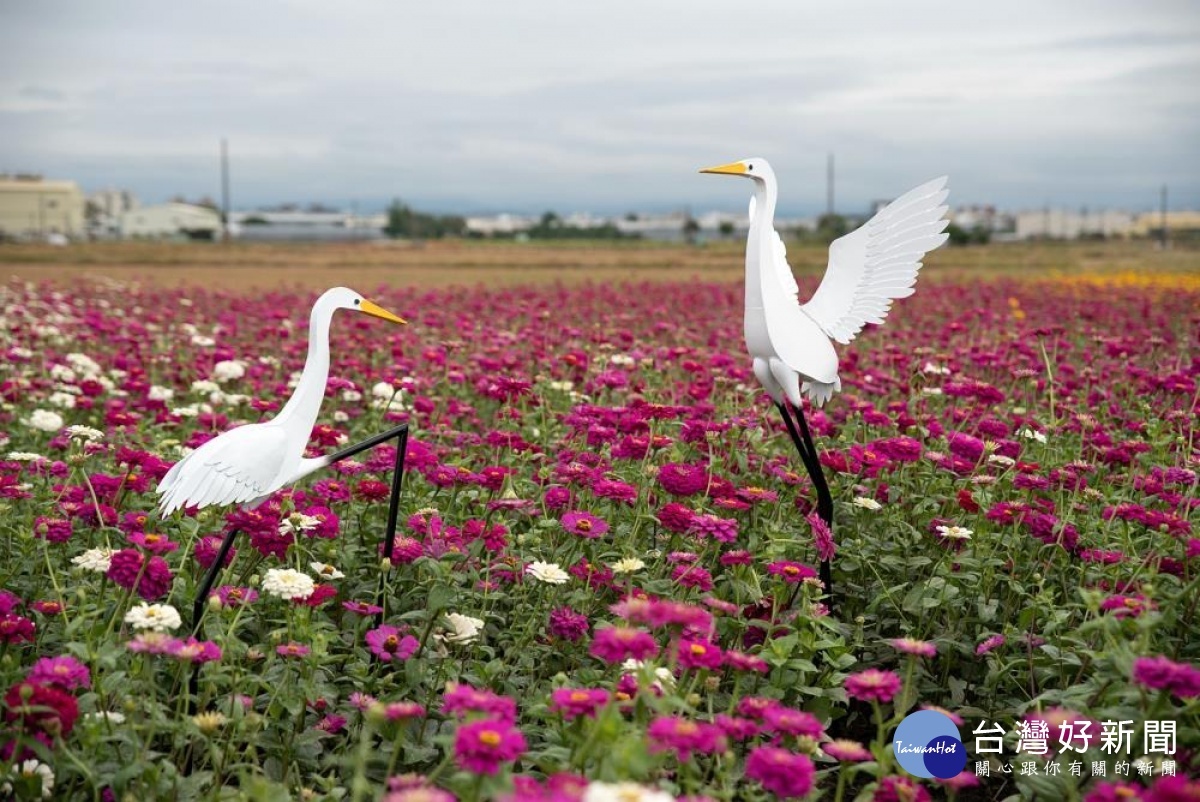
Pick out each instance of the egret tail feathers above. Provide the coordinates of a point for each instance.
(820, 392)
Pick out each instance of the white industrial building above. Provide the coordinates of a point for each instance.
(171, 220)
(1065, 224)
(31, 207)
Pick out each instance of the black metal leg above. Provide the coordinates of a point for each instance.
(210, 578)
(389, 543)
(802, 439)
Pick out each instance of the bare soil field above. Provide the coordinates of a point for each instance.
(248, 266)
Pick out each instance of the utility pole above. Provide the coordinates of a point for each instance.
(1164, 240)
(224, 190)
(829, 185)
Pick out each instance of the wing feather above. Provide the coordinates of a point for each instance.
(240, 465)
(877, 263)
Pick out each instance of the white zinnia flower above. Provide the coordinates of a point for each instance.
(285, 583)
(622, 360)
(44, 420)
(33, 768)
(549, 573)
(95, 560)
(1001, 460)
(867, 503)
(466, 628)
(627, 565)
(664, 674)
(107, 715)
(228, 370)
(85, 433)
(326, 571)
(1030, 434)
(930, 367)
(955, 532)
(298, 523)
(624, 792)
(205, 386)
(202, 341)
(62, 373)
(61, 400)
(158, 617)
(158, 393)
(23, 456)
(82, 363)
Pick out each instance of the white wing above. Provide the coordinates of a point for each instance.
(877, 263)
(238, 466)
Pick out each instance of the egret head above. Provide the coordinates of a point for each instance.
(342, 298)
(755, 168)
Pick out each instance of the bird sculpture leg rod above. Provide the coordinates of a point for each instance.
(370, 442)
(210, 577)
(812, 464)
(389, 534)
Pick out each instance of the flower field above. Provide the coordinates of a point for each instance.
(604, 582)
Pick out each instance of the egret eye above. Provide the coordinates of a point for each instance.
(750, 167)
(356, 301)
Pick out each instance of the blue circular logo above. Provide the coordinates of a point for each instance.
(927, 744)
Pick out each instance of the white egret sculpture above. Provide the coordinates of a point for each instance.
(247, 464)
(792, 343)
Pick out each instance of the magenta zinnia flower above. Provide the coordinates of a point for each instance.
(481, 746)
(699, 654)
(292, 650)
(822, 537)
(873, 685)
(575, 702)
(387, 643)
(460, 699)
(790, 571)
(584, 524)
(616, 644)
(683, 736)
(683, 480)
(63, 671)
(567, 624)
(783, 773)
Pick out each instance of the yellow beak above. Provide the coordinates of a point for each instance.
(733, 168)
(379, 311)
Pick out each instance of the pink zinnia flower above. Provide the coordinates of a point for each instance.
(460, 699)
(920, 648)
(699, 654)
(822, 537)
(783, 773)
(785, 721)
(791, 572)
(292, 650)
(740, 661)
(683, 480)
(567, 624)
(575, 702)
(387, 643)
(155, 544)
(990, 643)
(899, 789)
(705, 525)
(231, 596)
(616, 644)
(15, 629)
(481, 746)
(683, 736)
(398, 711)
(362, 608)
(847, 751)
(873, 685)
(63, 671)
(195, 651)
(584, 524)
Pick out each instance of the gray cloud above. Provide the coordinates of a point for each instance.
(477, 106)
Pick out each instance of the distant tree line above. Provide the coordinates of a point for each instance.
(405, 222)
(553, 227)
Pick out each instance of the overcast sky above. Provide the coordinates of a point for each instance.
(613, 106)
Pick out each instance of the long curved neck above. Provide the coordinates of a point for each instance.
(302, 408)
(760, 240)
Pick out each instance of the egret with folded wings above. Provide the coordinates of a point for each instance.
(792, 343)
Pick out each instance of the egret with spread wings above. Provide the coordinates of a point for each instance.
(247, 464)
(792, 343)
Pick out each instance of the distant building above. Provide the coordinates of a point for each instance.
(503, 224)
(1180, 225)
(33, 207)
(104, 210)
(171, 220)
(1064, 224)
